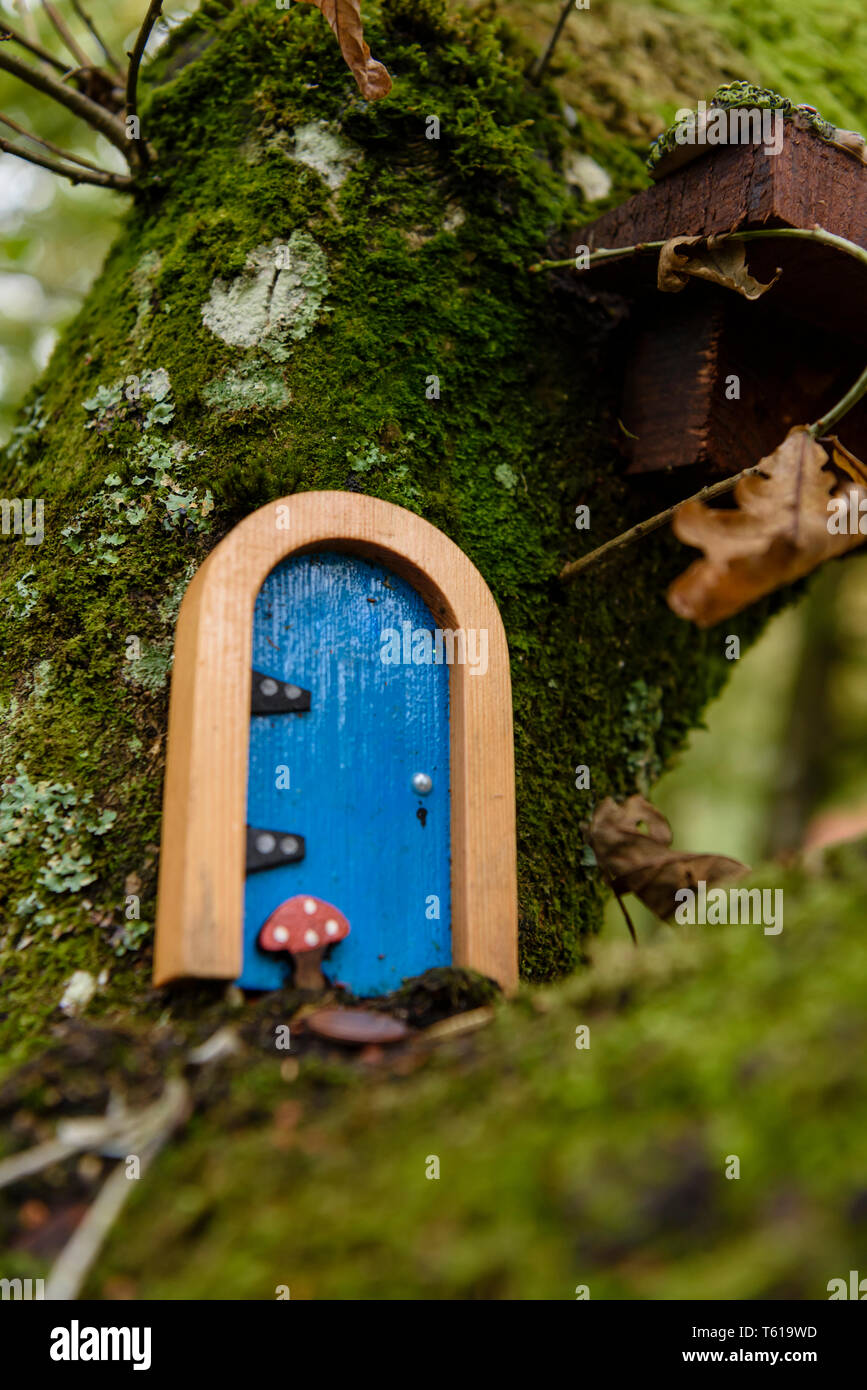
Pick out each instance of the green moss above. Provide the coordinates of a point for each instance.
(604, 1165)
(254, 385)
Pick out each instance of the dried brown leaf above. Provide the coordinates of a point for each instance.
(846, 462)
(344, 16)
(717, 259)
(642, 862)
(778, 532)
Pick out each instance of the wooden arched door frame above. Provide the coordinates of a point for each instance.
(199, 929)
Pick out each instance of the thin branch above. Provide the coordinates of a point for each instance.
(89, 24)
(541, 63)
(135, 57)
(843, 406)
(73, 1264)
(47, 144)
(622, 905)
(90, 111)
(155, 1128)
(33, 47)
(653, 523)
(66, 37)
(102, 179)
(612, 253)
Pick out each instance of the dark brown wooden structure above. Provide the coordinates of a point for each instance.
(794, 351)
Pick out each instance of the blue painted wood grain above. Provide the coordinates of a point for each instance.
(317, 623)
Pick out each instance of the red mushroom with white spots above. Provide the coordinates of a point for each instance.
(305, 927)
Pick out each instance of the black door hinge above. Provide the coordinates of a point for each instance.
(268, 849)
(270, 696)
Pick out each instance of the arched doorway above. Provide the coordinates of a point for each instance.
(328, 553)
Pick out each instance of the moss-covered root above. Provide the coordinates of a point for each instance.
(678, 1122)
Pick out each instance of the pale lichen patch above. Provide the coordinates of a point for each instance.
(150, 670)
(143, 277)
(276, 300)
(320, 147)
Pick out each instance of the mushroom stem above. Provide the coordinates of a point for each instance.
(308, 969)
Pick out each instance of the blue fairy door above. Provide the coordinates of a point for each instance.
(348, 779)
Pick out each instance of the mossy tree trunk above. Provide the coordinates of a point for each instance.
(299, 269)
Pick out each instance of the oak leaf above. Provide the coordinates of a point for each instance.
(643, 863)
(846, 462)
(344, 16)
(717, 259)
(779, 531)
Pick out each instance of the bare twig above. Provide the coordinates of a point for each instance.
(612, 253)
(135, 57)
(86, 20)
(74, 1262)
(77, 102)
(66, 37)
(47, 144)
(102, 178)
(843, 406)
(622, 905)
(33, 47)
(89, 111)
(653, 523)
(541, 63)
(35, 1160)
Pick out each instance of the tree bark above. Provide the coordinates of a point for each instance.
(313, 291)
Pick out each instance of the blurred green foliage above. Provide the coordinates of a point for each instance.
(53, 236)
